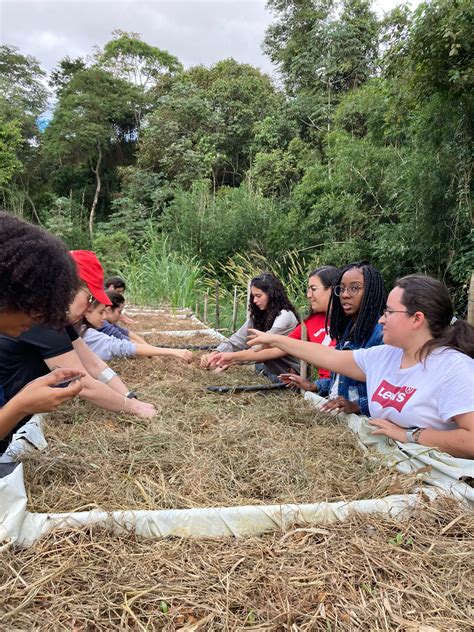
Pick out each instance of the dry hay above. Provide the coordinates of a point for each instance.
(368, 573)
(163, 322)
(201, 450)
(181, 341)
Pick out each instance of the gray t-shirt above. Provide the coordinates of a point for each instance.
(285, 322)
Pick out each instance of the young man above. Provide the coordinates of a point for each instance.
(113, 314)
(29, 293)
(42, 349)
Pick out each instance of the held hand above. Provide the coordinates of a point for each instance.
(292, 379)
(223, 360)
(185, 355)
(142, 409)
(340, 405)
(40, 396)
(256, 337)
(388, 429)
(206, 359)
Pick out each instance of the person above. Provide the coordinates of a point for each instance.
(270, 310)
(42, 349)
(320, 284)
(357, 301)
(108, 347)
(112, 315)
(115, 284)
(420, 382)
(29, 294)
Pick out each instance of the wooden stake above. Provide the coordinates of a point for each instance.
(196, 311)
(470, 302)
(303, 364)
(248, 297)
(206, 306)
(218, 312)
(234, 310)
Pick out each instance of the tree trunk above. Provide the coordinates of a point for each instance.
(96, 170)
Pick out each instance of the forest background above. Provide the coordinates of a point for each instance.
(361, 149)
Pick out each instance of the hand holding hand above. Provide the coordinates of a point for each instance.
(206, 359)
(340, 405)
(388, 429)
(293, 379)
(223, 360)
(40, 396)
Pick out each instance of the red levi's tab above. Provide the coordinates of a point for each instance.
(389, 396)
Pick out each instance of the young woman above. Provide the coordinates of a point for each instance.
(30, 294)
(108, 347)
(356, 304)
(113, 313)
(420, 383)
(320, 283)
(270, 310)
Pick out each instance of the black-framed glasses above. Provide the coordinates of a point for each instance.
(351, 290)
(313, 288)
(387, 312)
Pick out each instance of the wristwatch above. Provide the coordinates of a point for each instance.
(413, 434)
(131, 395)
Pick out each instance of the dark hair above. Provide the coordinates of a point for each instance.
(116, 281)
(37, 275)
(431, 297)
(277, 300)
(327, 274)
(84, 324)
(116, 298)
(373, 303)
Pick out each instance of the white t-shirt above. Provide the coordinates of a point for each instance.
(426, 395)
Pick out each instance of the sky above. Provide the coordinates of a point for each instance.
(195, 31)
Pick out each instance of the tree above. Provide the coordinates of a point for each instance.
(204, 122)
(93, 121)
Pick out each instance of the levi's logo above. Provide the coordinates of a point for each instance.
(389, 396)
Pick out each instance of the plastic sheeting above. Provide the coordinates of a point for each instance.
(435, 468)
(22, 528)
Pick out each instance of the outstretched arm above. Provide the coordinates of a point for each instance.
(319, 355)
(226, 359)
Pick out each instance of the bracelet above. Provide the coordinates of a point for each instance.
(131, 395)
(106, 375)
(124, 409)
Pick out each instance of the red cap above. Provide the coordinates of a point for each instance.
(91, 272)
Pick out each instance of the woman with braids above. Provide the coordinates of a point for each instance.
(356, 304)
(270, 310)
(30, 293)
(420, 382)
(318, 292)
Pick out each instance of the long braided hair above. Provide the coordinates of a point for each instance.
(277, 301)
(373, 303)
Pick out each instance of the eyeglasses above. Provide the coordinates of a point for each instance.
(387, 312)
(352, 290)
(313, 288)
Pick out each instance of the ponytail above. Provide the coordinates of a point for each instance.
(431, 297)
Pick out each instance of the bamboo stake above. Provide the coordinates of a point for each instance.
(303, 364)
(470, 302)
(234, 310)
(218, 312)
(196, 311)
(206, 306)
(248, 297)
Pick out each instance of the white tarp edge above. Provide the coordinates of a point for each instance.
(435, 468)
(22, 528)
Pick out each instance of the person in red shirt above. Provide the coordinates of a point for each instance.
(319, 288)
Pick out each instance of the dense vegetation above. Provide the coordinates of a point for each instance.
(362, 150)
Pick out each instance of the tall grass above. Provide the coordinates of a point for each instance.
(157, 275)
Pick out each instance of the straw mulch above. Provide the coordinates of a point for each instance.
(369, 573)
(201, 450)
(365, 574)
(163, 322)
